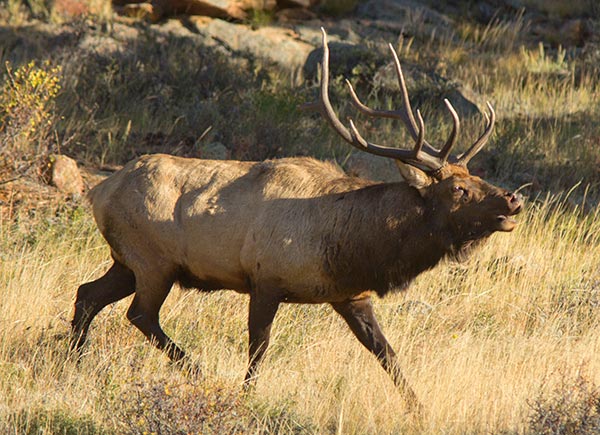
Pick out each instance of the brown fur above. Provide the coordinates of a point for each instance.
(290, 230)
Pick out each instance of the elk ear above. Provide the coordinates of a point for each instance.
(414, 176)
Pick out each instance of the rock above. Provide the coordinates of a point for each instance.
(158, 9)
(337, 32)
(214, 151)
(294, 14)
(102, 44)
(372, 167)
(271, 44)
(575, 32)
(142, 11)
(428, 88)
(416, 78)
(282, 4)
(403, 14)
(338, 8)
(258, 5)
(211, 8)
(465, 101)
(346, 59)
(64, 174)
(226, 9)
(71, 8)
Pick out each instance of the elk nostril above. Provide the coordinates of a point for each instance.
(515, 198)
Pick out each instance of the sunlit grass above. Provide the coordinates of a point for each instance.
(499, 330)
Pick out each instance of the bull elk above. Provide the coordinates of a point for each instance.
(293, 230)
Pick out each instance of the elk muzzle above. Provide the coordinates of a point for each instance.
(514, 204)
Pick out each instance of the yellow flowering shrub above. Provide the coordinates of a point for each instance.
(27, 113)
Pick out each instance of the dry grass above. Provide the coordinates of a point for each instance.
(502, 328)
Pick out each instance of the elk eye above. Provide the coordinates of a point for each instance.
(461, 192)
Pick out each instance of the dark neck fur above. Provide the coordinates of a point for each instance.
(391, 238)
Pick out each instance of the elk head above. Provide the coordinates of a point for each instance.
(464, 203)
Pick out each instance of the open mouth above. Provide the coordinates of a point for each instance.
(506, 222)
(503, 218)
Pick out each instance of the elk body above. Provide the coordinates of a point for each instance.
(291, 230)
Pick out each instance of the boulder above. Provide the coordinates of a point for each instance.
(282, 4)
(405, 16)
(288, 15)
(213, 151)
(64, 174)
(212, 8)
(426, 88)
(272, 44)
(346, 59)
(142, 11)
(225, 9)
(71, 8)
(155, 10)
(575, 32)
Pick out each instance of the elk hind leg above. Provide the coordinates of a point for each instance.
(117, 283)
(262, 311)
(144, 314)
(360, 317)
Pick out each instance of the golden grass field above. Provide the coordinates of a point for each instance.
(505, 329)
(507, 342)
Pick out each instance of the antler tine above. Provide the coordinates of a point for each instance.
(423, 153)
(324, 104)
(464, 159)
(354, 138)
(368, 146)
(408, 118)
(413, 157)
(405, 114)
(445, 152)
(420, 137)
(393, 114)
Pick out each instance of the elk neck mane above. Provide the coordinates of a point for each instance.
(385, 235)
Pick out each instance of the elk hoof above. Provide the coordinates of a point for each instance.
(249, 385)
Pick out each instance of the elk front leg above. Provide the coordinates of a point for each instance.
(260, 318)
(361, 320)
(117, 283)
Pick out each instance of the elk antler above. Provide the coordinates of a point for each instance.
(422, 153)
(463, 160)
